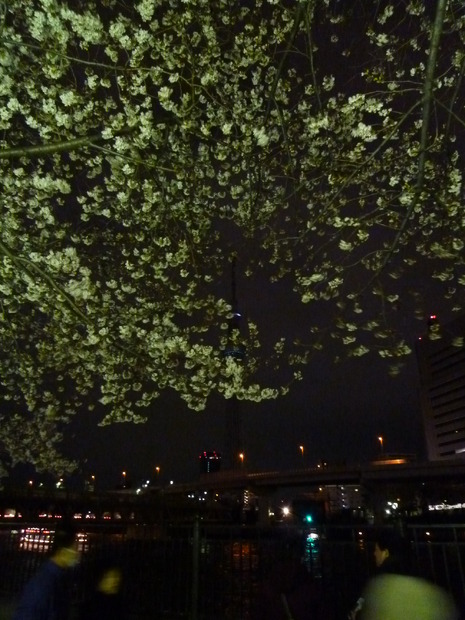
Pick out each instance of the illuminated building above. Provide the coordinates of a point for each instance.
(209, 462)
(441, 360)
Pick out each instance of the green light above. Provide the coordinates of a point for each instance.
(308, 518)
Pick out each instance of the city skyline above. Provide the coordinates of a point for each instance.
(335, 419)
(336, 412)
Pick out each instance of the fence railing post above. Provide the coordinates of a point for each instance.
(195, 570)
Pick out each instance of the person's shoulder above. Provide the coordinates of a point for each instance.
(47, 574)
(410, 598)
(33, 594)
(391, 566)
(49, 571)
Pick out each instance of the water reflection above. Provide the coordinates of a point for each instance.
(41, 538)
(232, 570)
(312, 554)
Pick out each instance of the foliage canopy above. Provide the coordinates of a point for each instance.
(143, 144)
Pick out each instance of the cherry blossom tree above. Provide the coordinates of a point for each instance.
(144, 144)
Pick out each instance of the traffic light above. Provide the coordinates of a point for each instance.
(308, 511)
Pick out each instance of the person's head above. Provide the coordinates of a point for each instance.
(65, 549)
(385, 547)
(381, 555)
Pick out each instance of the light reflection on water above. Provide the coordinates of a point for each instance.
(234, 572)
(231, 572)
(312, 554)
(40, 539)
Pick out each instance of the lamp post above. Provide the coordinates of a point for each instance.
(381, 443)
(241, 458)
(302, 452)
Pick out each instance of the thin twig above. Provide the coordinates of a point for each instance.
(56, 147)
(427, 103)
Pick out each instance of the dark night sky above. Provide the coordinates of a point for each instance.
(337, 412)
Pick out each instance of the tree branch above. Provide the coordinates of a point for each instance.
(75, 59)
(56, 147)
(29, 267)
(295, 29)
(427, 103)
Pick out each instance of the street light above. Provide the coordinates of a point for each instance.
(241, 458)
(380, 439)
(302, 451)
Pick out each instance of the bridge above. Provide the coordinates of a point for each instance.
(382, 471)
(154, 503)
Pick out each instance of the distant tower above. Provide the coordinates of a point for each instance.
(236, 349)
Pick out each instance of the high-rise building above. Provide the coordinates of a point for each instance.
(210, 461)
(441, 360)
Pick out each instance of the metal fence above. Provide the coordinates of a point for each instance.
(234, 573)
(433, 552)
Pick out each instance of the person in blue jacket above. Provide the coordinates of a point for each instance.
(47, 595)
